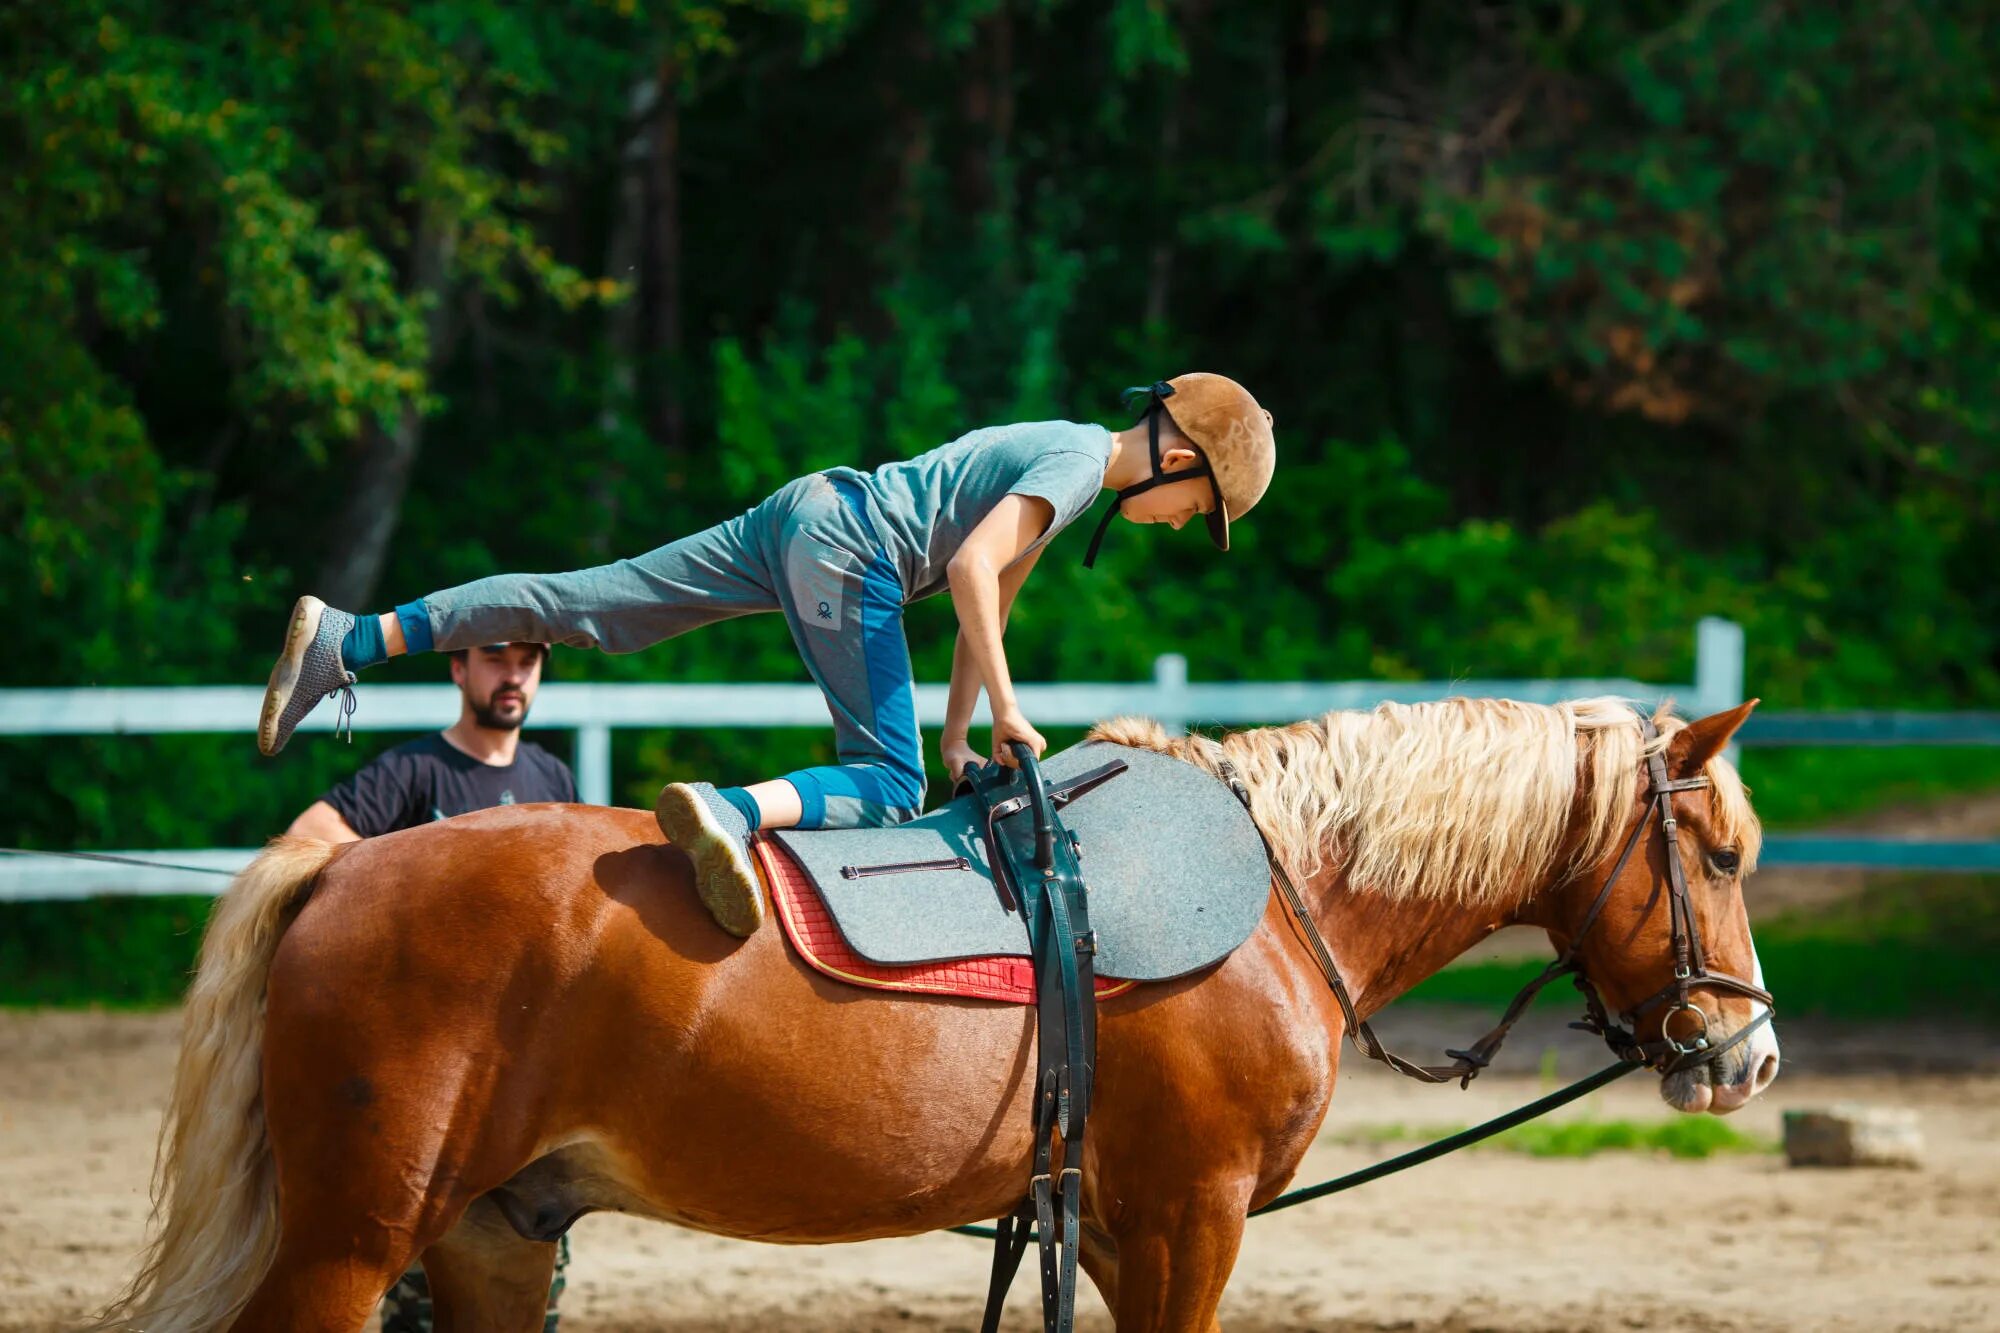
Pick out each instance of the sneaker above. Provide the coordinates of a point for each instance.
(308, 670)
(717, 839)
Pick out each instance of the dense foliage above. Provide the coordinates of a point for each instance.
(1579, 322)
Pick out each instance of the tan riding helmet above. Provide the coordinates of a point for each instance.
(1234, 435)
(1229, 430)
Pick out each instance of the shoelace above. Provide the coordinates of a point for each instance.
(345, 721)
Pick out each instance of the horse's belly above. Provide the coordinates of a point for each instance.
(837, 1122)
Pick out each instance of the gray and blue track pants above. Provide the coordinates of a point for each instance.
(810, 552)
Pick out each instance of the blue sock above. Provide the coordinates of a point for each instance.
(745, 805)
(363, 646)
(415, 618)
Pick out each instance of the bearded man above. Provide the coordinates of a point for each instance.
(477, 762)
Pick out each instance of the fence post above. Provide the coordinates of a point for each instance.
(1170, 678)
(1718, 668)
(593, 764)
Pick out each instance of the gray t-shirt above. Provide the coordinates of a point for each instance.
(924, 508)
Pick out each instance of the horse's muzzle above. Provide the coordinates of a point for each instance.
(1727, 1082)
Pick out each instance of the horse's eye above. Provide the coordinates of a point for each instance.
(1725, 860)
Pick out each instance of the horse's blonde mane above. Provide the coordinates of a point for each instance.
(1466, 800)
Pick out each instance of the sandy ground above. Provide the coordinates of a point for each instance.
(1483, 1241)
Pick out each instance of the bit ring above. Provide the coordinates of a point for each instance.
(1697, 1042)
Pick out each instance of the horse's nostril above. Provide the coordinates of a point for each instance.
(1766, 1071)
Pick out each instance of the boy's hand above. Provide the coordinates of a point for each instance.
(1013, 725)
(958, 756)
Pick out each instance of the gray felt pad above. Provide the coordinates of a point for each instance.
(1176, 873)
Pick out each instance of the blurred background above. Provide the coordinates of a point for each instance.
(1580, 323)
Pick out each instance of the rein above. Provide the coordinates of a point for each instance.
(116, 860)
(1451, 1143)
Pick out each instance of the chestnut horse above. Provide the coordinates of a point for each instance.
(449, 1042)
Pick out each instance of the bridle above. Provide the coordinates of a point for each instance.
(1668, 1054)
(1691, 968)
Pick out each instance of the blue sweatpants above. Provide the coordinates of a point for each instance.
(809, 552)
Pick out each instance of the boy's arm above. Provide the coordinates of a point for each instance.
(1011, 579)
(974, 574)
(965, 679)
(953, 745)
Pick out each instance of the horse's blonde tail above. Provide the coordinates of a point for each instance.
(215, 1189)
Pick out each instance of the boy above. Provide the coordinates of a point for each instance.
(839, 553)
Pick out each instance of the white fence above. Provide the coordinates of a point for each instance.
(592, 711)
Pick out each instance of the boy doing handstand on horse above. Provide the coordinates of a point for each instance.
(839, 553)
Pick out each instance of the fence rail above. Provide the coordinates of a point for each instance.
(593, 711)
(1834, 852)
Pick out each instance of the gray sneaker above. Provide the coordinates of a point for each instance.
(308, 669)
(716, 838)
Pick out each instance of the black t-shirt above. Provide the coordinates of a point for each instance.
(428, 779)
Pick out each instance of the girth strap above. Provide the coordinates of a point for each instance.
(1010, 1243)
(1037, 861)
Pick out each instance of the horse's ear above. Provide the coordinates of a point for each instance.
(1698, 742)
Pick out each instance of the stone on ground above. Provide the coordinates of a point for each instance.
(1851, 1134)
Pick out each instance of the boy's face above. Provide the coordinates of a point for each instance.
(499, 682)
(1176, 502)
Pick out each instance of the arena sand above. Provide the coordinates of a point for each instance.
(1483, 1241)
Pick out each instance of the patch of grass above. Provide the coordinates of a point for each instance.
(122, 953)
(1906, 946)
(1690, 1136)
(1799, 787)
(1492, 983)
(1932, 909)
(1686, 1136)
(1831, 978)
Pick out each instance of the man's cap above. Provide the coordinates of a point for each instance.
(503, 647)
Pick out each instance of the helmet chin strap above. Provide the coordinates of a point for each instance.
(1154, 399)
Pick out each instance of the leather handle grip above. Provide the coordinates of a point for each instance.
(1045, 813)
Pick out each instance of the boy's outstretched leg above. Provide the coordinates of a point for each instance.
(620, 607)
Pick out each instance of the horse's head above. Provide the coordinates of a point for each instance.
(1667, 946)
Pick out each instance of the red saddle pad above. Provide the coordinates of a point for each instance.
(810, 928)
